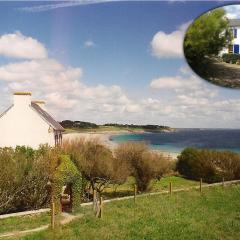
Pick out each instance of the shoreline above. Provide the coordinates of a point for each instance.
(104, 137)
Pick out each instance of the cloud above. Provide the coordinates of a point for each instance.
(48, 7)
(170, 45)
(167, 83)
(16, 45)
(184, 100)
(232, 11)
(89, 44)
(63, 88)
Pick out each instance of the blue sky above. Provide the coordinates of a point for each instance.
(110, 62)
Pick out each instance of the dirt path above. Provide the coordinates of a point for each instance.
(223, 74)
(66, 218)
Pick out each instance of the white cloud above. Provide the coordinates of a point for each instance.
(16, 45)
(48, 7)
(232, 11)
(167, 83)
(169, 45)
(188, 101)
(64, 89)
(89, 44)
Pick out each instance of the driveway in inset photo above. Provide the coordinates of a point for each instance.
(223, 74)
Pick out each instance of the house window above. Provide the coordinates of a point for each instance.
(56, 139)
(235, 33)
(230, 48)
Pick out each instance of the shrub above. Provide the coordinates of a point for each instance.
(23, 177)
(142, 163)
(229, 165)
(95, 162)
(196, 164)
(231, 57)
(210, 165)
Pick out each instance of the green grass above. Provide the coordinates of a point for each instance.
(24, 222)
(155, 186)
(185, 215)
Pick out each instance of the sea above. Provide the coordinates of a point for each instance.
(176, 141)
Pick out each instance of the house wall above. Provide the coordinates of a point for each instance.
(22, 125)
(235, 41)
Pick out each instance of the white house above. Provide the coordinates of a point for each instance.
(234, 25)
(27, 123)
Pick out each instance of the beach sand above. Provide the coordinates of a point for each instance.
(104, 137)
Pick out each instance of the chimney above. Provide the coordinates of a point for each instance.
(22, 99)
(41, 104)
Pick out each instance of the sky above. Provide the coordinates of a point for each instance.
(109, 61)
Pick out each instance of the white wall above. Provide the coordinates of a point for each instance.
(237, 40)
(22, 125)
(234, 41)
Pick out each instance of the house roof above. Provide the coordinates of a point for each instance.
(6, 111)
(234, 22)
(47, 117)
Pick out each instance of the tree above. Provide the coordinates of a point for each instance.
(206, 36)
(96, 163)
(144, 165)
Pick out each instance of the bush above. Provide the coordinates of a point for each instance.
(23, 177)
(231, 58)
(229, 165)
(142, 163)
(196, 164)
(96, 163)
(210, 165)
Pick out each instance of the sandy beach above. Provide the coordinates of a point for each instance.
(104, 137)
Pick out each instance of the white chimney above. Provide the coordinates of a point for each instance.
(22, 99)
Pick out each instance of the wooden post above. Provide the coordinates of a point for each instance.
(170, 188)
(200, 187)
(101, 208)
(52, 215)
(223, 182)
(94, 200)
(135, 192)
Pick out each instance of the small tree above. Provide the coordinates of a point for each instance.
(206, 36)
(142, 163)
(95, 162)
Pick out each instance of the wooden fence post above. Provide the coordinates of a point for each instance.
(200, 187)
(170, 188)
(223, 182)
(101, 208)
(94, 200)
(52, 215)
(135, 192)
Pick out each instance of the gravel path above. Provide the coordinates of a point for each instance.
(223, 74)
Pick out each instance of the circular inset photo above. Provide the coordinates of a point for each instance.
(212, 46)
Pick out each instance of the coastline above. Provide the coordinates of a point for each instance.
(105, 136)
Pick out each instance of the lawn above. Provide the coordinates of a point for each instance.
(23, 222)
(155, 186)
(214, 214)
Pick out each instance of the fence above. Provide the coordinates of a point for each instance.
(134, 196)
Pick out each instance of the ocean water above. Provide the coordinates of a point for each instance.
(175, 142)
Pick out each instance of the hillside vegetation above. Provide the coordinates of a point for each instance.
(83, 126)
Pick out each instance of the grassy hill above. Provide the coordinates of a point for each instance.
(214, 214)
